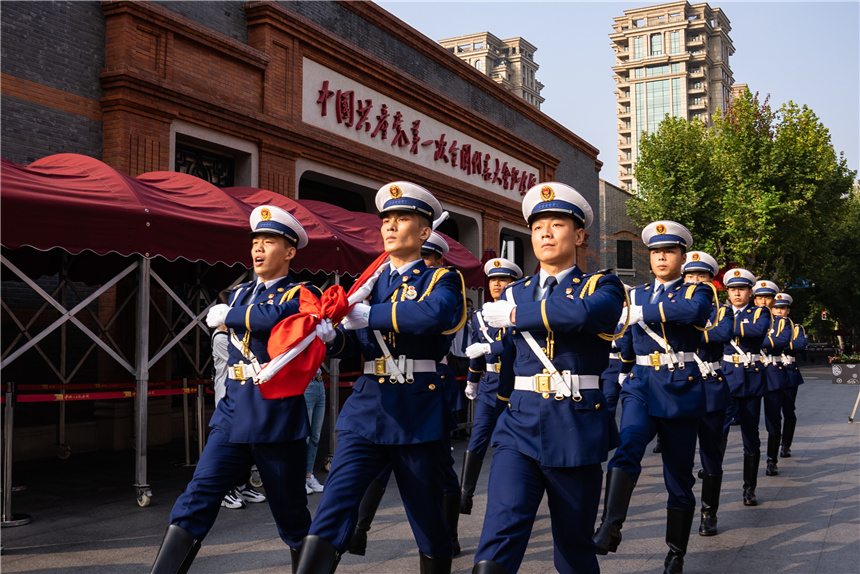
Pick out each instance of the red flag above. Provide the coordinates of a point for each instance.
(295, 349)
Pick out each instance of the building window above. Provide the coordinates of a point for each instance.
(656, 44)
(676, 67)
(637, 48)
(512, 249)
(638, 72)
(629, 170)
(639, 23)
(629, 155)
(694, 70)
(624, 253)
(627, 140)
(674, 43)
(697, 85)
(697, 100)
(219, 170)
(477, 64)
(627, 124)
(479, 45)
(218, 158)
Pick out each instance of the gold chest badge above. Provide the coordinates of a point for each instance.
(411, 293)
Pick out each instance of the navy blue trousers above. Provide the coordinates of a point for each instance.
(678, 443)
(773, 411)
(711, 433)
(611, 390)
(748, 409)
(418, 469)
(282, 469)
(482, 428)
(450, 483)
(517, 485)
(789, 398)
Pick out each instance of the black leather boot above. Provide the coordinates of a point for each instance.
(787, 436)
(317, 556)
(678, 523)
(772, 453)
(711, 484)
(451, 507)
(294, 560)
(471, 471)
(366, 511)
(488, 567)
(434, 565)
(176, 553)
(750, 478)
(619, 489)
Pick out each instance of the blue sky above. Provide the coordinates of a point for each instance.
(806, 52)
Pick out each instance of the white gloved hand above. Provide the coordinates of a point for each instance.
(357, 318)
(471, 391)
(325, 331)
(498, 314)
(635, 313)
(621, 377)
(217, 315)
(475, 350)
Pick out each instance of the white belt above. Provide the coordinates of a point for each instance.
(745, 358)
(543, 384)
(768, 360)
(787, 359)
(614, 356)
(493, 367)
(656, 359)
(408, 366)
(709, 369)
(242, 371)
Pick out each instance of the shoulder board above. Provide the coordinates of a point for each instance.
(590, 284)
(690, 290)
(721, 313)
(757, 313)
(243, 285)
(291, 292)
(520, 281)
(600, 272)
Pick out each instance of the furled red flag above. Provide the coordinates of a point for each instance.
(296, 350)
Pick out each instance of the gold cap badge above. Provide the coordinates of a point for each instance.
(497, 263)
(546, 193)
(394, 192)
(737, 273)
(695, 256)
(779, 296)
(661, 228)
(763, 284)
(265, 214)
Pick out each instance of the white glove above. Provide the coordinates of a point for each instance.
(471, 391)
(476, 350)
(325, 331)
(217, 315)
(357, 318)
(498, 314)
(635, 313)
(621, 377)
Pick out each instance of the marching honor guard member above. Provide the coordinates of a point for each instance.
(432, 252)
(701, 268)
(744, 371)
(396, 412)
(246, 428)
(778, 338)
(664, 394)
(782, 308)
(483, 380)
(555, 429)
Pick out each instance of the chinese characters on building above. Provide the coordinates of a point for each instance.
(395, 130)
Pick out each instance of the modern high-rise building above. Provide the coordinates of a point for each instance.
(508, 62)
(669, 59)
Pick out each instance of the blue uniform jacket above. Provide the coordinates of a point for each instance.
(560, 433)
(797, 345)
(717, 394)
(243, 412)
(392, 413)
(488, 382)
(751, 327)
(777, 340)
(677, 316)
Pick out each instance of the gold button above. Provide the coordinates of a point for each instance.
(545, 395)
(689, 378)
(432, 387)
(596, 406)
(381, 379)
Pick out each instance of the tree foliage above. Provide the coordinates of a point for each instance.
(761, 188)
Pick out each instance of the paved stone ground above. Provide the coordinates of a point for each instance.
(86, 519)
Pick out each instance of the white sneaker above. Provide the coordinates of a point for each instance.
(308, 489)
(232, 500)
(312, 484)
(248, 494)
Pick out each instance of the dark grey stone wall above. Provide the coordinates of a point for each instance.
(57, 44)
(32, 131)
(228, 18)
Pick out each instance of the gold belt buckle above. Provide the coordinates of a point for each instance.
(238, 372)
(736, 358)
(379, 366)
(542, 383)
(655, 359)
